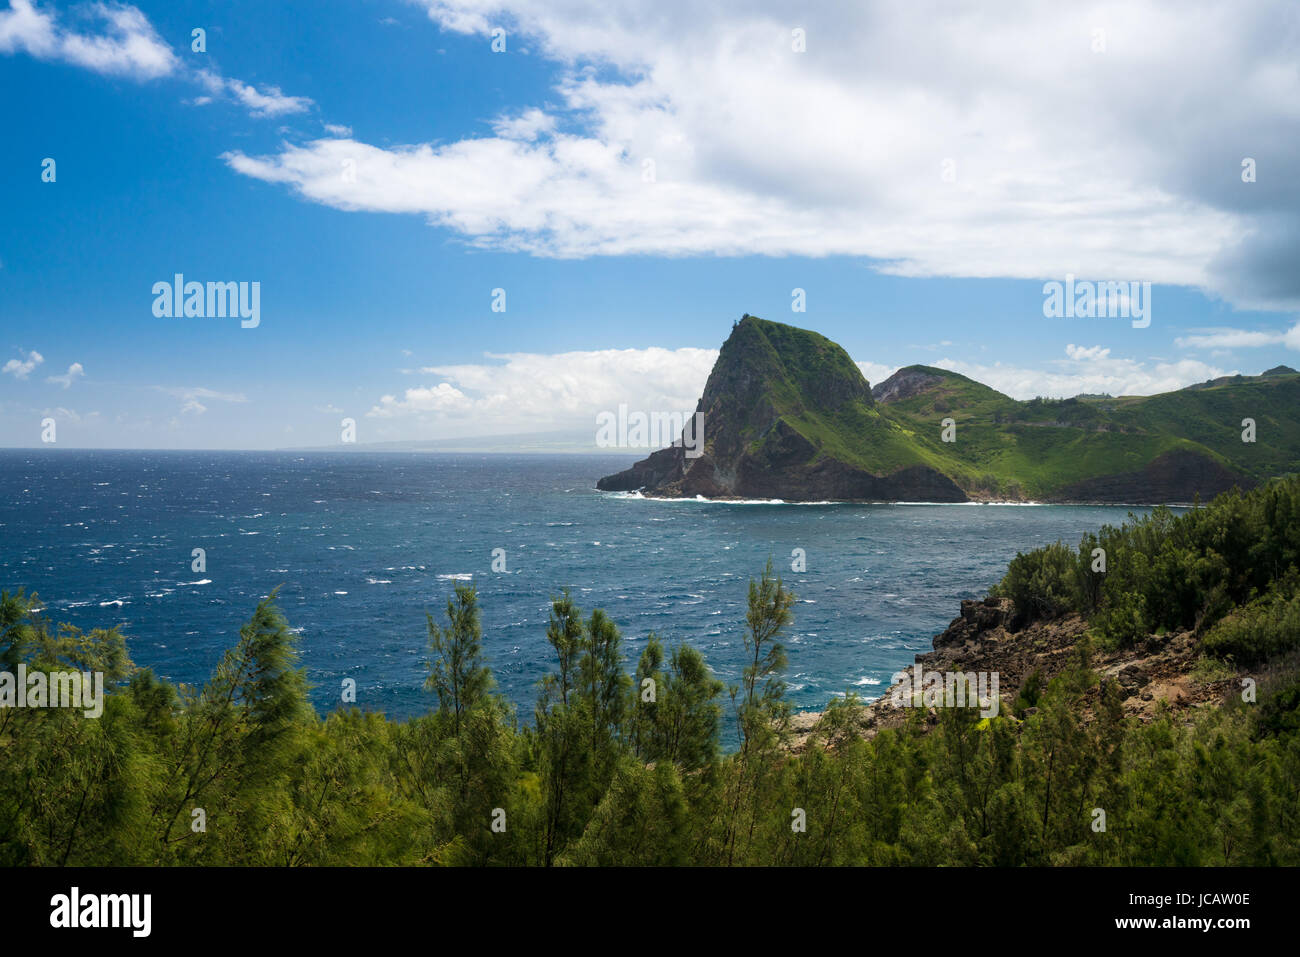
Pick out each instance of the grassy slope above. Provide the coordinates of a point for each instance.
(802, 366)
(1018, 448)
(1042, 445)
(1213, 416)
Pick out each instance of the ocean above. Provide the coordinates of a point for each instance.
(361, 545)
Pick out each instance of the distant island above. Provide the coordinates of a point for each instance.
(787, 414)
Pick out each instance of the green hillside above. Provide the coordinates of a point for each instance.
(1038, 447)
(788, 414)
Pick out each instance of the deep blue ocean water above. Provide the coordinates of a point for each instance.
(363, 544)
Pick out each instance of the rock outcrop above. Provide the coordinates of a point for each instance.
(787, 414)
(1151, 674)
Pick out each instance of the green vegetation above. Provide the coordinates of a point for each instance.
(618, 768)
(768, 372)
(1039, 449)
(1228, 572)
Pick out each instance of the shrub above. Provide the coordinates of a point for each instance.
(1264, 628)
(1123, 621)
(1041, 583)
(1030, 691)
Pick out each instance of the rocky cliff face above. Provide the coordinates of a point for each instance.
(903, 384)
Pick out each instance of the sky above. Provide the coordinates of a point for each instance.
(489, 217)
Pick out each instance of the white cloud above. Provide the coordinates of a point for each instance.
(531, 391)
(442, 397)
(126, 44)
(267, 102)
(526, 126)
(22, 368)
(1085, 354)
(334, 129)
(75, 371)
(1087, 370)
(70, 415)
(1065, 160)
(876, 372)
(23, 27)
(190, 404)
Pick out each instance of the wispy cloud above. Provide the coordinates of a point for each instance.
(119, 40)
(266, 102)
(1088, 369)
(70, 415)
(1239, 339)
(190, 398)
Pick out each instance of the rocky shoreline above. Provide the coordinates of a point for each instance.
(972, 500)
(1160, 672)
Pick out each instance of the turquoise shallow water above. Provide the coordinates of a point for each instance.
(362, 544)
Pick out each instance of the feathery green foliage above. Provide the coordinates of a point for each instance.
(621, 769)
(457, 672)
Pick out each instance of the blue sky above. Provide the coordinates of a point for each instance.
(919, 182)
